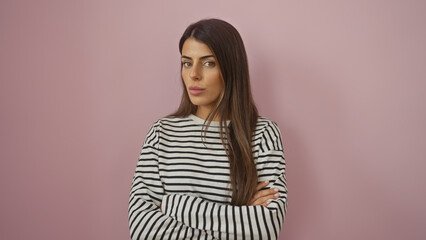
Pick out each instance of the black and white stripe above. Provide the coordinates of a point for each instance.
(190, 179)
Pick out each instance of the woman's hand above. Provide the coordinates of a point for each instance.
(264, 197)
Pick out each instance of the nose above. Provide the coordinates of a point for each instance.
(195, 72)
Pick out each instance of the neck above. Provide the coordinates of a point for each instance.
(203, 112)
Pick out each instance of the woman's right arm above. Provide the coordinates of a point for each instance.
(146, 221)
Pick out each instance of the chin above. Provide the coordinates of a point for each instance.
(196, 102)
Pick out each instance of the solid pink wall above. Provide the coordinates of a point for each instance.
(81, 82)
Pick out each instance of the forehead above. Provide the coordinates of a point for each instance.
(194, 48)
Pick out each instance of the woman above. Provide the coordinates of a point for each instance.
(214, 169)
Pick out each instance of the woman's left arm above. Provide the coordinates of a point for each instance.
(240, 221)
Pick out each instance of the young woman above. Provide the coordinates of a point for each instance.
(214, 169)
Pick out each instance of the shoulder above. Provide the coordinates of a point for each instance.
(270, 134)
(171, 122)
(265, 124)
(165, 124)
(174, 120)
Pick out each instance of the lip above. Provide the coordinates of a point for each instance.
(194, 90)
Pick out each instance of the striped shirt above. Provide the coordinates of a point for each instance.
(188, 176)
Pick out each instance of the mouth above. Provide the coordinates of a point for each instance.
(194, 90)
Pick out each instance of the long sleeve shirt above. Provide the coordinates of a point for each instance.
(188, 177)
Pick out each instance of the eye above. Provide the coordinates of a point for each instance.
(186, 64)
(210, 64)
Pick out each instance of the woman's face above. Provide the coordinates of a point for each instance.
(201, 75)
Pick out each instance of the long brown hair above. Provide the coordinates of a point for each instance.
(235, 104)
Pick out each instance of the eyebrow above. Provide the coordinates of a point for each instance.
(203, 57)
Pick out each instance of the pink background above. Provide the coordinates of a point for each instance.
(82, 81)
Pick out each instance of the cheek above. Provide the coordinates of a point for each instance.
(220, 84)
(184, 78)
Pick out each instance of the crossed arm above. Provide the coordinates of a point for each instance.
(155, 215)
